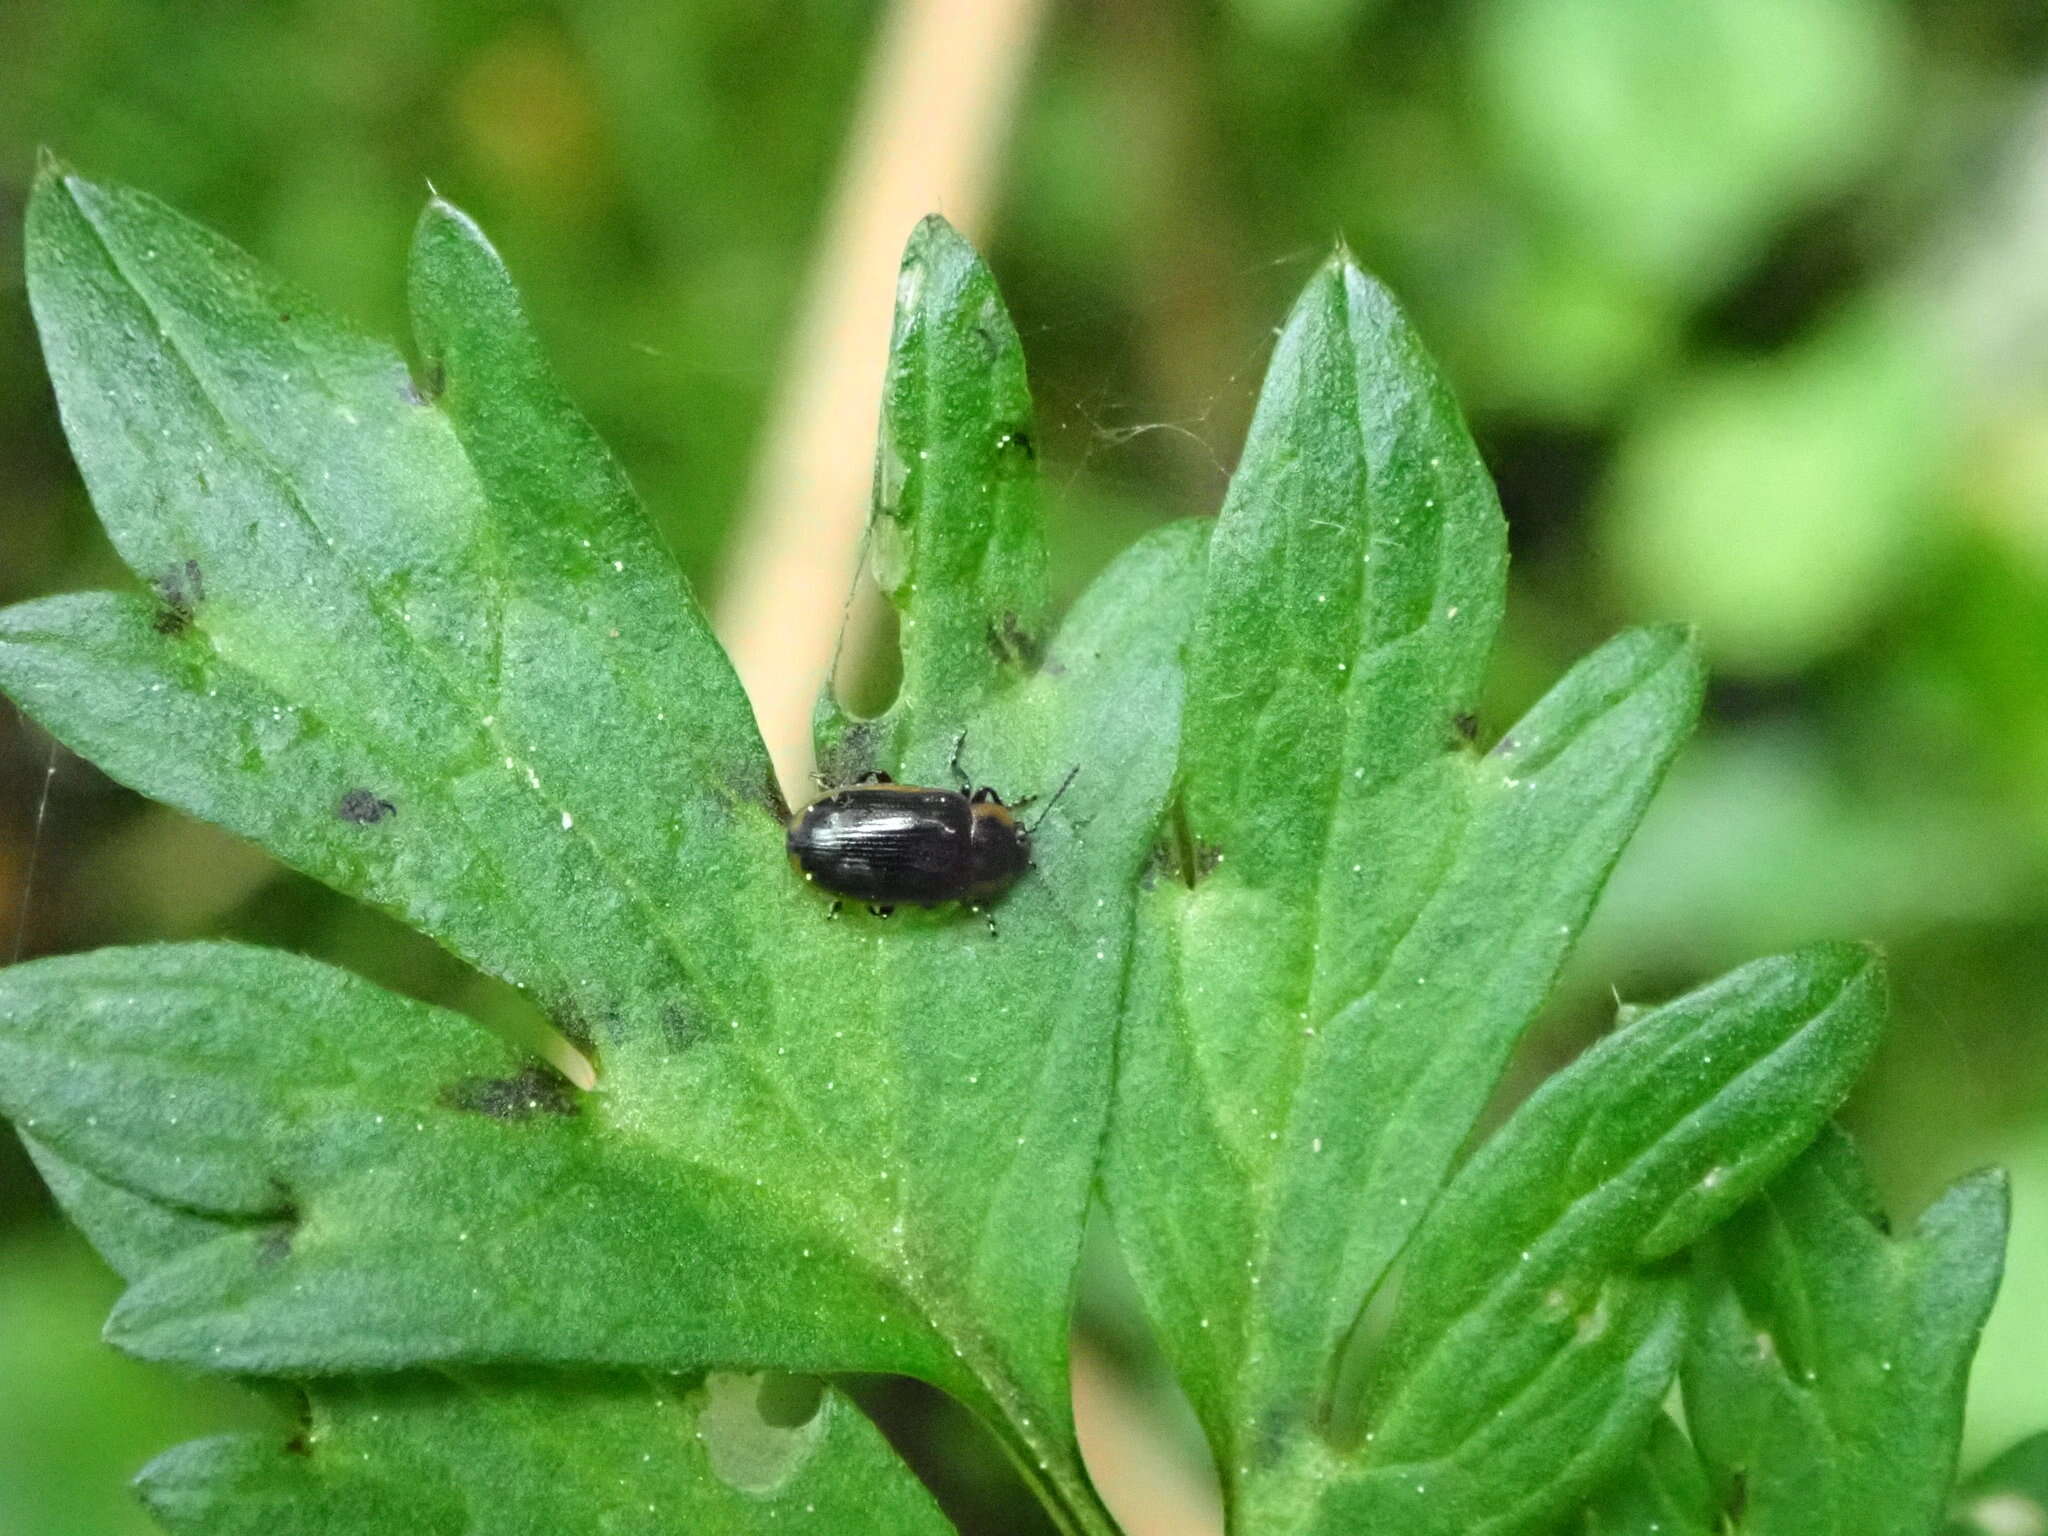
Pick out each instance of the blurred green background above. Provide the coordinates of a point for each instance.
(1747, 300)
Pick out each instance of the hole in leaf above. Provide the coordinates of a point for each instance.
(789, 1401)
(748, 1450)
(869, 670)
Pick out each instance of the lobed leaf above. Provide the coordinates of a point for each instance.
(503, 1450)
(1496, 1386)
(454, 1453)
(1825, 1387)
(384, 1184)
(1367, 914)
(1663, 1492)
(955, 542)
(414, 636)
(370, 652)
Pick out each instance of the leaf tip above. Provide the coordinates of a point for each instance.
(1980, 1201)
(438, 216)
(1846, 955)
(1677, 646)
(56, 179)
(936, 247)
(1678, 638)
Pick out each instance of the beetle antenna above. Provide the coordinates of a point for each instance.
(959, 773)
(1055, 800)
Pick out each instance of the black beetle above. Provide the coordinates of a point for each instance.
(883, 843)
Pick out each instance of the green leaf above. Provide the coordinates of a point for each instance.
(1366, 915)
(956, 540)
(1662, 1493)
(416, 639)
(355, 1157)
(352, 605)
(1825, 1386)
(463, 1451)
(2008, 1496)
(1528, 1351)
(526, 1451)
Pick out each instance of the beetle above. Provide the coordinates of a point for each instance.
(886, 843)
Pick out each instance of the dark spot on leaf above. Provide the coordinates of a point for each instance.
(182, 589)
(532, 1091)
(1188, 858)
(364, 807)
(286, 318)
(682, 1029)
(853, 754)
(1275, 1435)
(274, 1244)
(301, 1442)
(1737, 1502)
(425, 387)
(1466, 725)
(768, 793)
(1012, 643)
(1016, 450)
(991, 343)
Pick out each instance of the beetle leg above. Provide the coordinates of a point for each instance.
(889, 911)
(834, 912)
(987, 916)
(959, 773)
(874, 776)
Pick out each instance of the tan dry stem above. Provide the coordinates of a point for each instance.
(1151, 1489)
